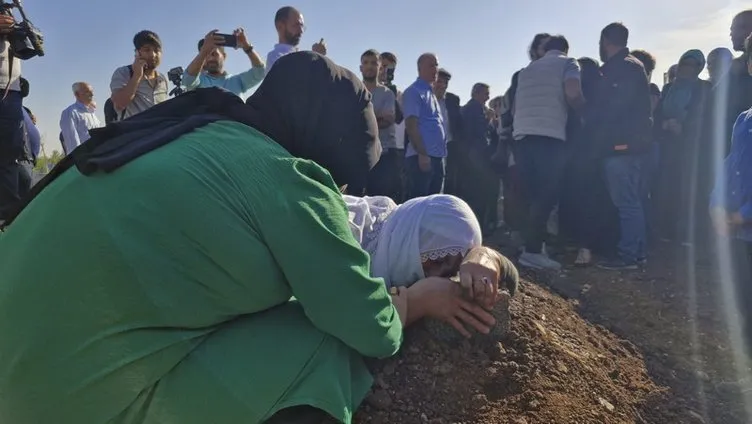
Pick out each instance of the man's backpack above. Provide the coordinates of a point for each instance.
(110, 114)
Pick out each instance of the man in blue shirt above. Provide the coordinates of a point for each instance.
(77, 119)
(731, 208)
(424, 124)
(211, 59)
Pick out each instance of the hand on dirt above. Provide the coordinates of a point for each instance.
(484, 273)
(442, 299)
(479, 276)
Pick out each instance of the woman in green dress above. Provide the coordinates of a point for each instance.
(196, 267)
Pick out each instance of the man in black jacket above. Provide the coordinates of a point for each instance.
(479, 182)
(622, 129)
(453, 126)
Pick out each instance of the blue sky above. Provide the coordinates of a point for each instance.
(476, 40)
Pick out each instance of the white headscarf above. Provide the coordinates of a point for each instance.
(400, 238)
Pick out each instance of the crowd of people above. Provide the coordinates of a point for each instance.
(235, 261)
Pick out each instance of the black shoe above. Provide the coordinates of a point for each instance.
(617, 265)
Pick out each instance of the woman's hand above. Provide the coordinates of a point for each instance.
(482, 271)
(442, 299)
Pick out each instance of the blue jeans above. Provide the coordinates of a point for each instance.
(624, 177)
(650, 167)
(421, 183)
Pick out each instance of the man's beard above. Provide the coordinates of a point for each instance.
(293, 39)
(369, 79)
(213, 68)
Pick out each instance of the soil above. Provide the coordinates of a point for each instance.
(584, 346)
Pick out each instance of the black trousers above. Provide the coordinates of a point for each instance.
(14, 178)
(742, 277)
(385, 179)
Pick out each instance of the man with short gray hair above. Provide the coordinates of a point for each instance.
(78, 118)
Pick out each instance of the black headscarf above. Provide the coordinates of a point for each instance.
(319, 111)
(309, 105)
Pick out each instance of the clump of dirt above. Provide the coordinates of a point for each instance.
(551, 367)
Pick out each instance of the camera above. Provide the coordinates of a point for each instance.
(26, 41)
(390, 75)
(175, 75)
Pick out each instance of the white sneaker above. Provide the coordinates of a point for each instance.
(538, 261)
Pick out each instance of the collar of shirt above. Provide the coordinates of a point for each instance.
(618, 57)
(423, 84)
(83, 107)
(224, 75)
(285, 48)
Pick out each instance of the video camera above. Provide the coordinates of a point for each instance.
(175, 75)
(26, 41)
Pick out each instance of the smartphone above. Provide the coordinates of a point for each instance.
(231, 40)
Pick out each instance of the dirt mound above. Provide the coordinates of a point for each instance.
(551, 367)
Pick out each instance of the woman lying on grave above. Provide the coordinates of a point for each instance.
(195, 264)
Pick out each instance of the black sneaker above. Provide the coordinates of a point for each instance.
(617, 265)
(642, 261)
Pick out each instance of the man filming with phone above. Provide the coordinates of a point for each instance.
(207, 68)
(137, 87)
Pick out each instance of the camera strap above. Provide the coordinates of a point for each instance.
(11, 56)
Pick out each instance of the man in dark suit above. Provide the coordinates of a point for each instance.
(450, 110)
(479, 184)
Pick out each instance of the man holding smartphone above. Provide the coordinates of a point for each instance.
(137, 87)
(207, 68)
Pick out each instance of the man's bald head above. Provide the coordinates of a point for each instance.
(289, 24)
(741, 28)
(428, 67)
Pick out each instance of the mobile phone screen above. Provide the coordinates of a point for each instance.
(231, 40)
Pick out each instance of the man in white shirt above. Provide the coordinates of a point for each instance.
(290, 27)
(78, 118)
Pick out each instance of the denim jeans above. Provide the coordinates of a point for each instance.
(624, 177)
(541, 161)
(650, 167)
(421, 183)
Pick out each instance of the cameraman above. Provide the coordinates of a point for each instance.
(14, 177)
(211, 59)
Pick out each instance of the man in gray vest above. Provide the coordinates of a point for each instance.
(546, 89)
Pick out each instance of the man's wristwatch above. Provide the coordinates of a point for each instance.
(248, 49)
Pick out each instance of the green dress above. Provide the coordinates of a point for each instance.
(161, 293)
